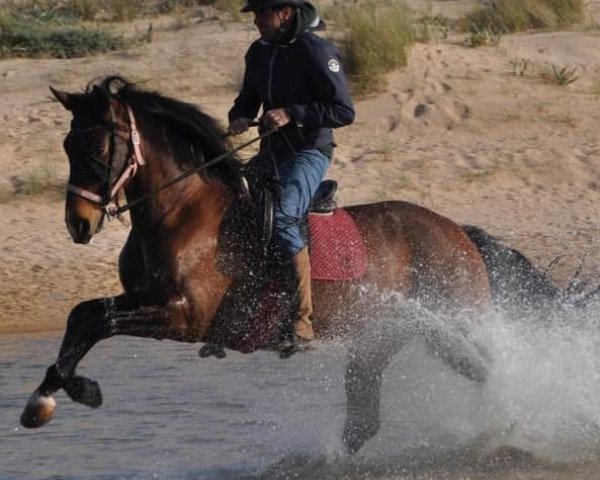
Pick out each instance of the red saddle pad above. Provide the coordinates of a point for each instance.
(337, 253)
(337, 250)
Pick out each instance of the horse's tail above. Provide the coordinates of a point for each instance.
(515, 281)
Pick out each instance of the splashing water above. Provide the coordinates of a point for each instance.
(541, 403)
(170, 415)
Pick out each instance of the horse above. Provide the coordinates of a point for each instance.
(126, 141)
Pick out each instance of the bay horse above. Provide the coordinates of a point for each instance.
(124, 138)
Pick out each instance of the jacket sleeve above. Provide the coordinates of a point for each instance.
(248, 102)
(332, 107)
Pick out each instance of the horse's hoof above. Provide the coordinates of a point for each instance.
(212, 350)
(85, 391)
(356, 435)
(352, 441)
(38, 411)
(507, 456)
(353, 445)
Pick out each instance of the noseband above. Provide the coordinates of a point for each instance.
(107, 201)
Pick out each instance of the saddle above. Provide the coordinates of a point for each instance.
(262, 195)
(244, 242)
(257, 304)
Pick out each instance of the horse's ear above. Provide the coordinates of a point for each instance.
(66, 99)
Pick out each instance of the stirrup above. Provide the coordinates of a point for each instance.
(212, 350)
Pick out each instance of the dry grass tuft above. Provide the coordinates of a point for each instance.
(232, 8)
(42, 180)
(519, 66)
(483, 38)
(94, 10)
(84, 9)
(123, 10)
(376, 42)
(431, 28)
(504, 16)
(561, 76)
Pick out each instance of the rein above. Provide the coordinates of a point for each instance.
(119, 210)
(136, 160)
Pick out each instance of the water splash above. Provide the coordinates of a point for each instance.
(539, 407)
(170, 415)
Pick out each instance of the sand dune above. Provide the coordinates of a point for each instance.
(459, 131)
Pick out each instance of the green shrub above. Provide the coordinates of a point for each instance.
(115, 10)
(22, 38)
(503, 16)
(481, 38)
(53, 10)
(375, 43)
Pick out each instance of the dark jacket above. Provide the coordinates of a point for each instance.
(303, 75)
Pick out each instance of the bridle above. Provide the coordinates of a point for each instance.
(109, 200)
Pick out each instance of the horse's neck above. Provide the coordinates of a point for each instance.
(195, 198)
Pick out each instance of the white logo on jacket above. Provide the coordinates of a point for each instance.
(334, 65)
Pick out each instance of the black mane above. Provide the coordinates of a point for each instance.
(206, 137)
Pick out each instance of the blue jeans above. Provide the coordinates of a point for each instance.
(300, 176)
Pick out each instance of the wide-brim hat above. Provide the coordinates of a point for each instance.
(258, 5)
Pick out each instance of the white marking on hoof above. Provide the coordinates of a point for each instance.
(38, 411)
(37, 400)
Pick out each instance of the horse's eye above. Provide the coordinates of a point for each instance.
(98, 150)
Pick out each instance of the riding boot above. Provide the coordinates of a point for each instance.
(302, 328)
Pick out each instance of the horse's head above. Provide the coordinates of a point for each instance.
(98, 147)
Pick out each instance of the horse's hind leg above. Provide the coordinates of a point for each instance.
(450, 345)
(370, 355)
(363, 391)
(367, 359)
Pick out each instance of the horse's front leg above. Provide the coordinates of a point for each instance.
(88, 323)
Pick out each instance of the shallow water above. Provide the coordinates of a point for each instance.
(168, 414)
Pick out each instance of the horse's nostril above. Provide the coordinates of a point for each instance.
(82, 227)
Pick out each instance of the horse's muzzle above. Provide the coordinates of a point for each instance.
(80, 230)
(83, 220)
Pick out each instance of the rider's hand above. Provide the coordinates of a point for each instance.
(239, 125)
(275, 118)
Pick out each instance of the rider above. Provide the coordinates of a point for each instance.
(297, 78)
